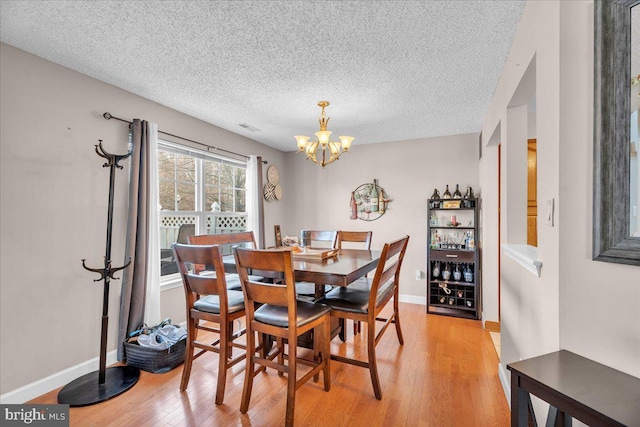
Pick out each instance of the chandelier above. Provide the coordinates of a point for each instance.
(331, 151)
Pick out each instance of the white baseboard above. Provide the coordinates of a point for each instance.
(505, 381)
(52, 382)
(412, 299)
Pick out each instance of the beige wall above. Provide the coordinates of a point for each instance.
(54, 200)
(588, 307)
(407, 170)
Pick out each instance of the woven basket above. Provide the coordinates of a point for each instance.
(154, 361)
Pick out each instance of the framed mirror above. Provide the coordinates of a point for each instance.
(616, 237)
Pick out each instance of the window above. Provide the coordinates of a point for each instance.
(198, 194)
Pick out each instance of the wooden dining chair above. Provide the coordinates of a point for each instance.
(355, 240)
(208, 299)
(281, 315)
(233, 240)
(365, 299)
(315, 239)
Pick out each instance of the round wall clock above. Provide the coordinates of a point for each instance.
(273, 175)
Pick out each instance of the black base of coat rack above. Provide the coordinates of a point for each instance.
(87, 390)
(103, 384)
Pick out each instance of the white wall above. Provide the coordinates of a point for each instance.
(528, 304)
(599, 302)
(54, 195)
(407, 170)
(489, 232)
(591, 308)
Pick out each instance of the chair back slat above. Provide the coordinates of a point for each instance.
(224, 239)
(279, 261)
(388, 266)
(202, 285)
(363, 237)
(319, 238)
(273, 294)
(196, 255)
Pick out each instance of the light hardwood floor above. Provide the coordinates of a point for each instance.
(444, 375)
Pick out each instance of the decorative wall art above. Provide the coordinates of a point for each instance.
(369, 201)
(272, 190)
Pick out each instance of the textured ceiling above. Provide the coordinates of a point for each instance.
(392, 70)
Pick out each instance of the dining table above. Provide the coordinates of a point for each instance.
(342, 268)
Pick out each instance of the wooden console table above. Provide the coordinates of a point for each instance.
(574, 387)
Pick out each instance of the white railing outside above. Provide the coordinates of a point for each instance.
(214, 223)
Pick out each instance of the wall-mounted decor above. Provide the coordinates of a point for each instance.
(369, 201)
(272, 190)
(615, 186)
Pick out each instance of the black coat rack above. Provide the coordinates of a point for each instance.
(103, 384)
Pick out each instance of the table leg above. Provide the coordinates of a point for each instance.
(519, 403)
(557, 418)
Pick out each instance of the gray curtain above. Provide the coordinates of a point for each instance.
(134, 280)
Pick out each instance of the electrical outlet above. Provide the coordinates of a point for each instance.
(418, 274)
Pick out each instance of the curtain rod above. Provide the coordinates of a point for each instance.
(108, 116)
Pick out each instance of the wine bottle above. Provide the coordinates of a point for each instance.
(354, 206)
(457, 274)
(447, 193)
(469, 194)
(446, 272)
(468, 274)
(457, 194)
(374, 196)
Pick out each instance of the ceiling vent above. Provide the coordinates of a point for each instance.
(249, 127)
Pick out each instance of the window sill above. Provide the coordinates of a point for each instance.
(525, 255)
(170, 282)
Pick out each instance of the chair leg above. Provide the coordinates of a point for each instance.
(188, 360)
(342, 334)
(356, 327)
(326, 356)
(371, 352)
(229, 340)
(318, 347)
(248, 374)
(222, 362)
(291, 384)
(396, 320)
(280, 344)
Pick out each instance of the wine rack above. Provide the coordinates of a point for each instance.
(453, 258)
